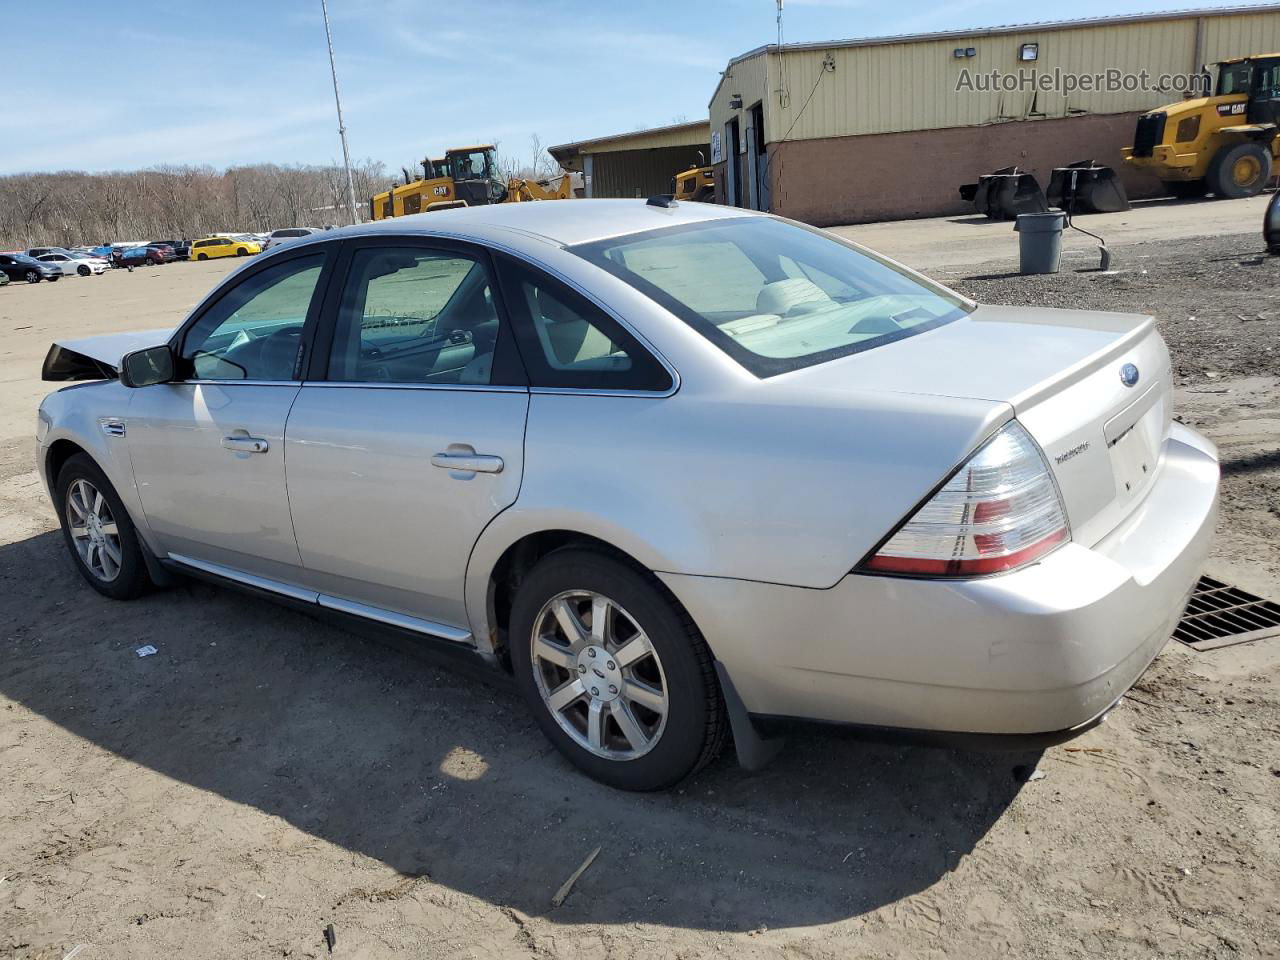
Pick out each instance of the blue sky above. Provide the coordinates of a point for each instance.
(228, 81)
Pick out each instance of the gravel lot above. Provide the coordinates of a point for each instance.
(266, 774)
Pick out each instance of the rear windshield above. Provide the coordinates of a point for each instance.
(775, 296)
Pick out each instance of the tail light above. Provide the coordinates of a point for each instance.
(1001, 510)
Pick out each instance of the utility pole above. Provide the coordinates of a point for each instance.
(342, 129)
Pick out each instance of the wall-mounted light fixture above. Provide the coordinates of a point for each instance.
(735, 101)
(961, 52)
(1029, 51)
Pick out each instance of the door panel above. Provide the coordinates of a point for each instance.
(202, 499)
(376, 521)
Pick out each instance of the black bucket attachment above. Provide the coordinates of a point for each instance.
(1087, 187)
(1004, 194)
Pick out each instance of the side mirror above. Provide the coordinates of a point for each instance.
(145, 367)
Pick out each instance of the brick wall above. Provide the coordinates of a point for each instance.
(897, 176)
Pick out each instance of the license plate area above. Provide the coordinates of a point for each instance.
(1135, 453)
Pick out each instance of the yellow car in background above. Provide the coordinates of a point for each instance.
(223, 246)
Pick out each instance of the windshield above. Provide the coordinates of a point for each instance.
(775, 296)
(1234, 79)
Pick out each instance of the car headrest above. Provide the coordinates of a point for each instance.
(782, 296)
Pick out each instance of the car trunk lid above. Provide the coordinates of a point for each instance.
(1061, 372)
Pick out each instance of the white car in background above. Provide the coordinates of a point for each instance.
(277, 237)
(72, 264)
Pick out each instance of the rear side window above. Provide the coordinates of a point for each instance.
(566, 341)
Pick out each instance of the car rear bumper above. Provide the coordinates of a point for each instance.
(1044, 649)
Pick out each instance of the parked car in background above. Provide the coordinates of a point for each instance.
(38, 252)
(223, 245)
(18, 266)
(166, 251)
(681, 468)
(4, 279)
(140, 256)
(181, 248)
(277, 237)
(72, 265)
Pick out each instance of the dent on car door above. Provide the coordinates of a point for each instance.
(411, 438)
(208, 449)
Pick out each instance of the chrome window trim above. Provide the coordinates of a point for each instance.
(601, 392)
(410, 385)
(246, 383)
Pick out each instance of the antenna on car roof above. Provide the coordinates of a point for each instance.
(662, 200)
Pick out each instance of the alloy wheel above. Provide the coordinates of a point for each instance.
(32, 277)
(599, 675)
(93, 530)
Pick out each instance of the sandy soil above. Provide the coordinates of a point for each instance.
(265, 774)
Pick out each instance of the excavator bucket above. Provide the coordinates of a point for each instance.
(1087, 187)
(1004, 194)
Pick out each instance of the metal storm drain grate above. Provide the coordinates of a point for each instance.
(1219, 615)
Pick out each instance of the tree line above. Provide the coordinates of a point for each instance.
(72, 207)
(170, 202)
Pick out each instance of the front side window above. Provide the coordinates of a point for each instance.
(254, 331)
(775, 296)
(415, 315)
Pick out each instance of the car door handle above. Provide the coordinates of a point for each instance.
(468, 462)
(246, 444)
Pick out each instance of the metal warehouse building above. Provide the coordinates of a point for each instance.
(886, 128)
(637, 164)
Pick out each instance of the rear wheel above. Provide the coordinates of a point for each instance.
(617, 676)
(98, 532)
(1240, 171)
(32, 276)
(1186, 189)
(241, 252)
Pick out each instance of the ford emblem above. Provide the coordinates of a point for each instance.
(1129, 375)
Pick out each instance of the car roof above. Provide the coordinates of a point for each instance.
(563, 222)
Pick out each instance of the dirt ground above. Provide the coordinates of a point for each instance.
(265, 775)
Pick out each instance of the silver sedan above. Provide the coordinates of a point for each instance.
(681, 469)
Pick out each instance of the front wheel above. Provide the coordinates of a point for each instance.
(1240, 171)
(616, 674)
(98, 531)
(202, 256)
(32, 276)
(83, 271)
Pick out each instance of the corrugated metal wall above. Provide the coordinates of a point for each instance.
(1226, 37)
(889, 88)
(650, 139)
(640, 173)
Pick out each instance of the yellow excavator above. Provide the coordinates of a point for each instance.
(1225, 144)
(464, 177)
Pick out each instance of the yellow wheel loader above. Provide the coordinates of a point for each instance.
(697, 184)
(1224, 144)
(465, 177)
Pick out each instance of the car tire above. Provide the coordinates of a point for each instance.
(645, 724)
(1239, 171)
(32, 276)
(202, 256)
(98, 532)
(83, 271)
(241, 252)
